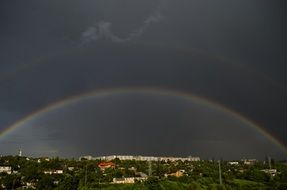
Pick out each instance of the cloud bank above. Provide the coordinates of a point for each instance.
(102, 30)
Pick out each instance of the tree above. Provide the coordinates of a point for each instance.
(46, 182)
(68, 182)
(11, 181)
(152, 183)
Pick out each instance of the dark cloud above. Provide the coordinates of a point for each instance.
(233, 53)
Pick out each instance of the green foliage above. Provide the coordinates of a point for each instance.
(45, 182)
(86, 175)
(255, 174)
(152, 183)
(68, 182)
(10, 181)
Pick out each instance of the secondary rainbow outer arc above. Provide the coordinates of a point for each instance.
(187, 50)
(106, 92)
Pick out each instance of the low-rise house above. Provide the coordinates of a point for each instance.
(47, 159)
(249, 161)
(271, 172)
(29, 185)
(128, 180)
(86, 158)
(54, 172)
(141, 174)
(59, 172)
(56, 182)
(178, 173)
(5, 169)
(233, 163)
(106, 165)
(71, 168)
(132, 169)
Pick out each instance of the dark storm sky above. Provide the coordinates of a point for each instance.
(231, 52)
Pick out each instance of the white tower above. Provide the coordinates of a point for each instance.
(20, 153)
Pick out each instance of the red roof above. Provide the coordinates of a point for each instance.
(106, 164)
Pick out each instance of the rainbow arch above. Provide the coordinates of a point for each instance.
(185, 50)
(159, 91)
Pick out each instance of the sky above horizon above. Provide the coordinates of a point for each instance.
(232, 53)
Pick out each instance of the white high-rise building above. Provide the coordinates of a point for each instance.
(142, 158)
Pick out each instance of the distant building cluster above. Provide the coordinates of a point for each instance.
(141, 158)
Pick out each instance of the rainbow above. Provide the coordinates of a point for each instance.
(148, 90)
(185, 50)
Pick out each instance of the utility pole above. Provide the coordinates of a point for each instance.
(99, 179)
(74, 181)
(219, 171)
(269, 162)
(149, 169)
(13, 184)
(86, 176)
